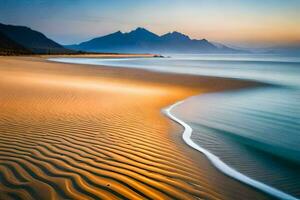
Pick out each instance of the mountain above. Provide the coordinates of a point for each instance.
(118, 42)
(9, 47)
(183, 43)
(32, 40)
(144, 41)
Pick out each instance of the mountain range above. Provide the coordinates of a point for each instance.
(20, 40)
(23, 40)
(141, 40)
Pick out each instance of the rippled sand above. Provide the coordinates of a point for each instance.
(82, 132)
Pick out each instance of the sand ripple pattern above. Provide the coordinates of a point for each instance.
(73, 143)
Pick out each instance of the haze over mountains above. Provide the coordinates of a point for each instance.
(144, 41)
(16, 39)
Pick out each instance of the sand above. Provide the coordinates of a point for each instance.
(84, 132)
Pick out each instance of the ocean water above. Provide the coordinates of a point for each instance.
(254, 132)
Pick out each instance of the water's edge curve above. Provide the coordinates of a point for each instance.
(219, 164)
(216, 161)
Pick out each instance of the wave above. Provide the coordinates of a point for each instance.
(219, 164)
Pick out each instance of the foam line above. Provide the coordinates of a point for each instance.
(220, 165)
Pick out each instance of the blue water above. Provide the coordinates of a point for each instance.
(254, 131)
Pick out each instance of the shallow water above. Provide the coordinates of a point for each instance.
(255, 131)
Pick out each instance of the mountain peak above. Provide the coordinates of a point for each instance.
(143, 33)
(175, 36)
(178, 33)
(141, 30)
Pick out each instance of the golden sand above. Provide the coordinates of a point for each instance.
(84, 132)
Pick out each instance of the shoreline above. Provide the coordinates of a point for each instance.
(219, 164)
(78, 97)
(215, 161)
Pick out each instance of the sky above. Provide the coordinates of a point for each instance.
(252, 23)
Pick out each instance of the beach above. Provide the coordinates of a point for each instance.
(71, 131)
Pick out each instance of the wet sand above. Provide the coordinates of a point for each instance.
(83, 132)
